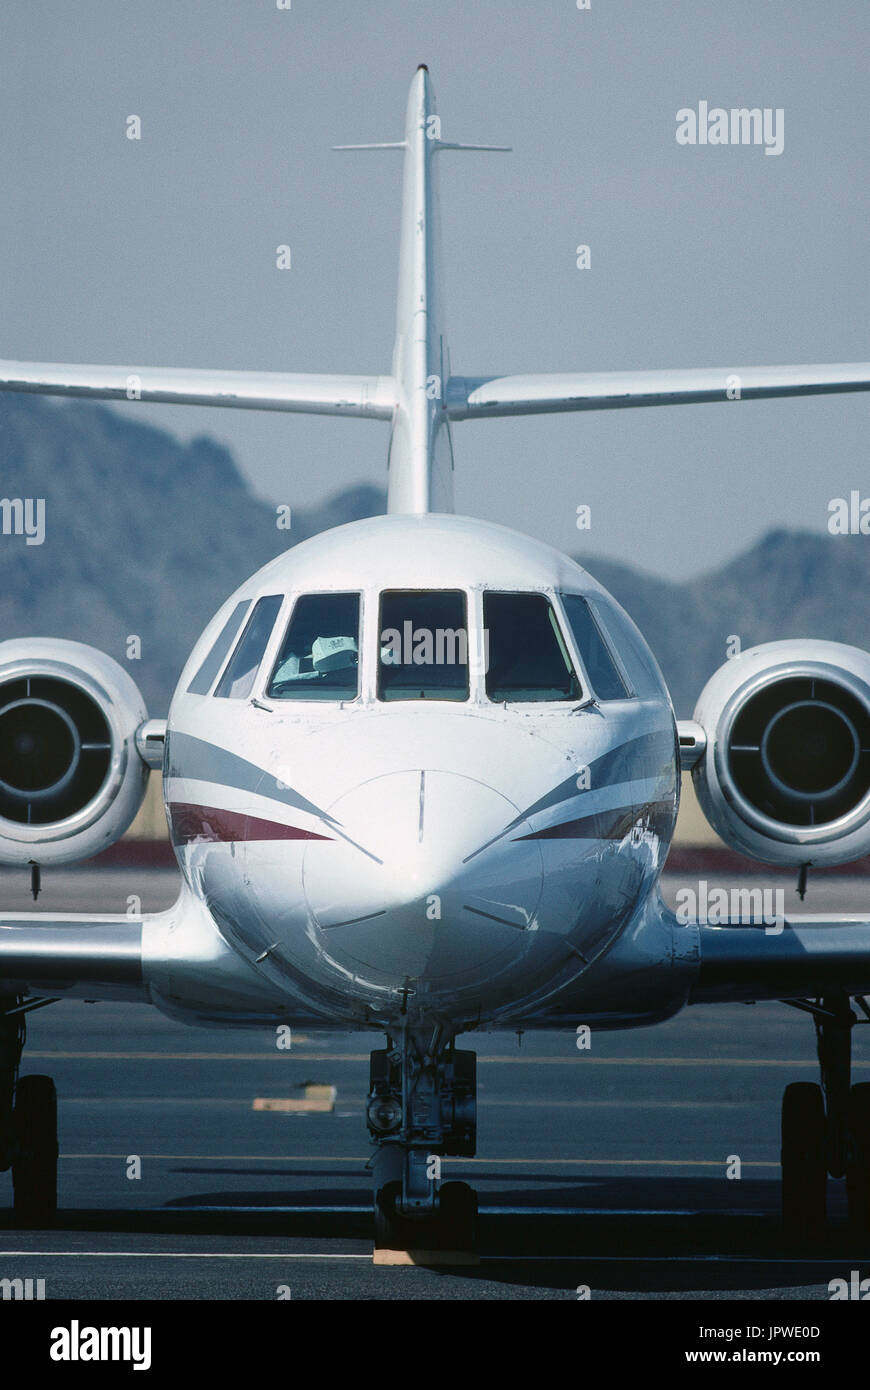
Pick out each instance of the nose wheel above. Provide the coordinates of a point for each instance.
(421, 1107)
(449, 1230)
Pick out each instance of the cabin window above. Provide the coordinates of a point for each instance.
(237, 680)
(423, 651)
(319, 657)
(205, 676)
(526, 656)
(604, 677)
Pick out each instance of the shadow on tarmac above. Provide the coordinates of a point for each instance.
(638, 1235)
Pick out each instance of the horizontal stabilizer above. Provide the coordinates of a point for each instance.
(487, 149)
(371, 397)
(377, 145)
(473, 398)
(437, 144)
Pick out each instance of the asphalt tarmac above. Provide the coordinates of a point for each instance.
(604, 1170)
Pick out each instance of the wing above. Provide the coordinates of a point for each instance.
(176, 960)
(71, 956)
(368, 397)
(803, 956)
(474, 398)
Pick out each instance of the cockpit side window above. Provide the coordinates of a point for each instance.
(526, 656)
(423, 651)
(319, 657)
(640, 665)
(237, 680)
(607, 683)
(205, 676)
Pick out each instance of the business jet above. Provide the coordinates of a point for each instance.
(421, 774)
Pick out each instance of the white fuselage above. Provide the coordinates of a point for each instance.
(454, 861)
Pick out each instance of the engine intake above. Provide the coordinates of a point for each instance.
(71, 780)
(785, 776)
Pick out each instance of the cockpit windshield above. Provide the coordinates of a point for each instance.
(426, 650)
(423, 645)
(527, 659)
(319, 657)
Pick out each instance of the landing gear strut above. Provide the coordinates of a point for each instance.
(28, 1125)
(421, 1106)
(826, 1128)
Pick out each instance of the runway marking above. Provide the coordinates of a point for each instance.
(322, 1209)
(567, 1060)
(317, 1099)
(186, 1101)
(249, 1209)
(170, 1255)
(454, 1163)
(585, 1259)
(191, 1056)
(651, 1103)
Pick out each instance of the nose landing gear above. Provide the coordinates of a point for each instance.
(826, 1128)
(422, 1106)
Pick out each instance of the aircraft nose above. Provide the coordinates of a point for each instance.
(421, 880)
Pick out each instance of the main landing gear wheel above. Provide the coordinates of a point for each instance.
(34, 1165)
(858, 1166)
(804, 1165)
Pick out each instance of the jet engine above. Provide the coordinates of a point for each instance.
(785, 774)
(71, 779)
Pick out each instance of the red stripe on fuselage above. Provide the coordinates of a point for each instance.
(188, 822)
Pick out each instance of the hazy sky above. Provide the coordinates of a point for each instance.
(162, 251)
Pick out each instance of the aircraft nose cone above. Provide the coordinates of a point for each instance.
(422, 881)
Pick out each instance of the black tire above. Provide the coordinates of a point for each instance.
(34, 1165)
(462, 1142)
(390, 1227)
(458, 1216)
(858, 1166)
(804, 1168)
(379, 1068)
